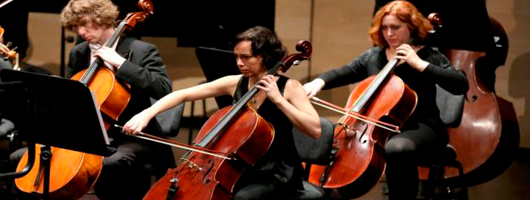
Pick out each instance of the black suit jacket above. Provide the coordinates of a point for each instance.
(143, 71)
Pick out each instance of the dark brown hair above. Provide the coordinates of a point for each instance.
(264, 42)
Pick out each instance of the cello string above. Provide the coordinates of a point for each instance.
(379, 124)
(184, 147)
(354, 113)
(359, 118)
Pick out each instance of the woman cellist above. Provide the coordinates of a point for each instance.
(135, 63)
(398, 30)
(281, 101)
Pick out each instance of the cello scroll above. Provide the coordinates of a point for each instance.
(133, 18)
(305, 48)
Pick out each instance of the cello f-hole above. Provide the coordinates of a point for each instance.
(473, 98)
(205, 178)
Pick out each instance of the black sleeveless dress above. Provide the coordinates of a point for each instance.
(281, 164)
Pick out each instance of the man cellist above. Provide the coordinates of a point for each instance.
(137, 64)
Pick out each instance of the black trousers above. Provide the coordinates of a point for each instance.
(257, 186)
(123, 175)
(404, 152)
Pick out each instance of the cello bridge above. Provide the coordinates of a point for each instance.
(350, 130)
(191, 164)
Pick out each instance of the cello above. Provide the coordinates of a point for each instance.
(8, 53)
(73, 173)
(239, 133)
(486, 140)
(359, 139)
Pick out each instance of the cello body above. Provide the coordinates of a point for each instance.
(72, 173)
(111, 96)
(202, 176)
(487, 138)
(358, 164)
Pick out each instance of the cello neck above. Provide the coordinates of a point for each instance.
(94, 65)
(236, 109)
(374, 86)
(114, 38)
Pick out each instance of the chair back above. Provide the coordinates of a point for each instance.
(451, 107)
(170, 119)
(316, 151)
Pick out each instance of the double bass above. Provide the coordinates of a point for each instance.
(486, 140)
(360, 135)
(236, 132)
(73, 173)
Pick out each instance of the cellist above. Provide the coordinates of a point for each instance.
(398, 30)
(281, 101)
(136, 63)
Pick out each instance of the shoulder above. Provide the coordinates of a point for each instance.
(294, 91)
(375, 50)
(371, 54)
(81, 47)
(293, 85)
(433, 55)
(137, 44)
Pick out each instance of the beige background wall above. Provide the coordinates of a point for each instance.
(338, 32)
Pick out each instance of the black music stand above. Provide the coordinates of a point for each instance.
(54, 111)
(216, 63)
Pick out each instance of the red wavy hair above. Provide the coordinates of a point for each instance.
(418, 25)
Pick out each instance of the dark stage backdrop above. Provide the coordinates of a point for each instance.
(194, 23)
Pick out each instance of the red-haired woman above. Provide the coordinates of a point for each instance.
(399, 31)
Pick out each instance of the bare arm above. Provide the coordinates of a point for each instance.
(222, 86)
(294, 104)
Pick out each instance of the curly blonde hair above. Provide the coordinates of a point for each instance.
(80, 12)
(418, 25)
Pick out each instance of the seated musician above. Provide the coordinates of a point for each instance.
(399, 31)
(280, 101)
(136, 63)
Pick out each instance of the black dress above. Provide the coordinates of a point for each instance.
(279, 171)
